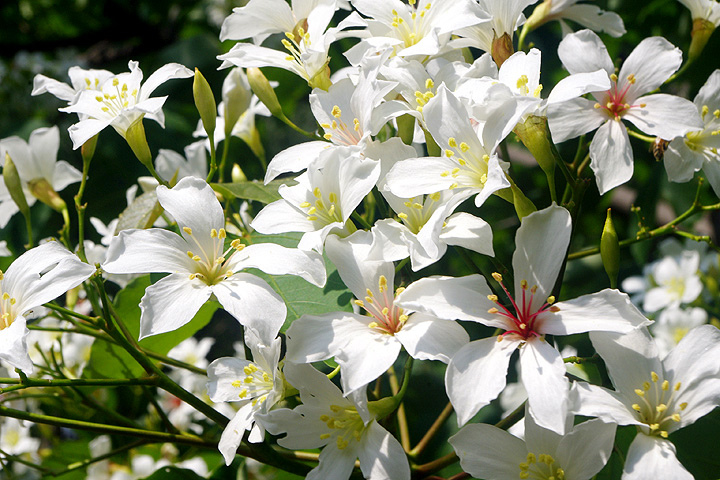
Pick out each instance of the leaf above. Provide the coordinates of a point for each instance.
(108, 360)
(173, 473)
(697, 446)
(300, 296)
(141, 213)
(252, 190)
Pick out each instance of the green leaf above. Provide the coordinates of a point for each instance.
(697, 446)
(174, 473)
(302, 297)
(108, 360)
(252, 190)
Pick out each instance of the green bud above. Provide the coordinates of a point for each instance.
(237, 175)
(136, 139)
(502, 48)
(205, 103)
(236, 96)
(14, 185)
(88, 149)
(535, 135)
(261, 87)
(43, 191)
(406, 128)
(538, 16)
(610, 250)
(701, 32)
(523, 205)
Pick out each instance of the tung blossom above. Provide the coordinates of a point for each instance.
(35, 277)
(476, 373)
(649, 65)
(201, 266)
(657, 396)
(121, 101)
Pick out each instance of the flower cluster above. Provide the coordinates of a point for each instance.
(364, 249)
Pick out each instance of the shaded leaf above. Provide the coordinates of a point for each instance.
(252, 190)
(141, 213)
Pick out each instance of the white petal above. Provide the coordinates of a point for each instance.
(608, 310)
(311, 338)
(488, 452)
(145, 251)
(295, 158)
(222, 372)
(543, 376)
(579, 84)
(586, 449)
(651, 62)
(573, 118)
(63, 175)
(592, 17)
(170, 303)
(462, 298)
(278, 260)
(681, 162)
(381, 455)
(541, 244)
(280, 217)
(584, 52)
(162, 75)
(593, 401)
(476, 375)
(334, 463)
(611, 156)
(468, 231)
(665, 116)
(192, 203)
(253, 303)
(84, 130)
(232, 435)
(653, 457)
(428, 338)
(13, 345)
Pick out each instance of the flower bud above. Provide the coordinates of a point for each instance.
(535, 135)
(237, 175)
(14, 185)
(538, 16)
(610, 250)
(88, 149)
(261, 87)
(43, 191)
(136, 139)
(236, 96)
(204, 102)
(502, 48)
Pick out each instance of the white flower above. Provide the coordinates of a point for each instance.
(35, 277)
(80, 80)
(323, 199)
(257, 385)
(699, 149)
(645, 69)
(121, 101)
(414, 29)
(38, 167)
(15, 437)
(476, 374)
(467, 162)
(366, 346)
(345, 431)
(201, 266)
(673, 324)
(677, 282)
(658, 397)
(488, 452)
(506, 18)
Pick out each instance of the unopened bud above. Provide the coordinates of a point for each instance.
(236, 96)
(43, 191)
(237, 175)
(502, 48)
(136, 139)
(538, 16)
(264, 91)
(14, 185)
(701, 32)
(610, 250)
(204, 102)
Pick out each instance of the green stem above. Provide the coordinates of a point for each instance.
(80, 208)
(644, 138)
(514, 417)
(223, 160)
(20, 384)
(432, 431)
(112, 429)
(401, 416)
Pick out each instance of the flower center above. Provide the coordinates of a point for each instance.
(212, 266)
(541, 467)
(473, 168)
(522, 322)
(615, 105)
(389, 318)
(257, 384)
(421, 98)
(338, 131)
(324, 210)
(657, 406)
(416, 214)
(117, 101)
(345, 425)
(410, 32)
(7, 315)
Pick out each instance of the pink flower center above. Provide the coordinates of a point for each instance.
(523, 321)
(389, 318)
(615, 102)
